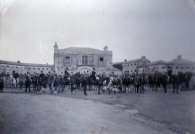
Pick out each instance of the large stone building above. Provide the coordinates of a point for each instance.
(74, 58)
(83, 59)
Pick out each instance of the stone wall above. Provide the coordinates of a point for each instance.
(76, 54)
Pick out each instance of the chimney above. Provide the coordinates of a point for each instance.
(18, 61)
(143, 57)
(106, 48)
(125, 60)
(179, 57)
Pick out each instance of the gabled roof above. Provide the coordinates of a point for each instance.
(24, 64)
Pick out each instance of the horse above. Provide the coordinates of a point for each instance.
(42, 81)
(175, 81)
(90, 81)
(13, 83)
(71, 82)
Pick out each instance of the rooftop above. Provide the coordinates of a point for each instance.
(143, 58)
(24, 64)
(180, 60)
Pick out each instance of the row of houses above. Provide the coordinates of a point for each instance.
(7, 67)
(143, 65)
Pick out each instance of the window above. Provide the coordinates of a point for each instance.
(90, 60)
(128, 65)
(47, 68)
(176, 67)
(67, 60)
(187, 67)
(135, 70)
(38, 68)
(163, 67)
(131, 64)
(42, 68)
(181, 67)
(131, 71)
(7, 66)
(192, 67)
(33, 68)
(135, 64)
(84, 60)
(153, 67)
(29, 68)
(101, 62)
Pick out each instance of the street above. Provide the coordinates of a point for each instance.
(152, 113)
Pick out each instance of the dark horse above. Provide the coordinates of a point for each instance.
(72, 82)
(175, 81)
(42, 82)
(98, 83)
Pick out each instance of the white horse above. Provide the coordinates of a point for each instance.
(13, 84)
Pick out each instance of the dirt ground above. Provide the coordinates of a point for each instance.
(152, 113)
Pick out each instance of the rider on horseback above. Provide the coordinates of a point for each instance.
(93, 74)
(67, 75)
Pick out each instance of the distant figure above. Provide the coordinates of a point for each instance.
(21, 84)
(84, 79)
(1, 84)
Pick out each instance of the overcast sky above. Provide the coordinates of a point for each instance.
(157, 29)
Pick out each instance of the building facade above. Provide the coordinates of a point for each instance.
(176, 65)
(132, 65)
(83, 59)
(74, 58)
(7, 67)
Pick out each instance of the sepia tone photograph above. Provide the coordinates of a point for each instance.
(97, 67)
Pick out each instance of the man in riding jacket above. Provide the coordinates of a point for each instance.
(66, 74)
(93, 74)
(41, 75)
(84, 84)
(15, 75)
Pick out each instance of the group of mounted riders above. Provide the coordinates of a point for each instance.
(57, 83)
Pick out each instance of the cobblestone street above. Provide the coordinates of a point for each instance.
(150, 113)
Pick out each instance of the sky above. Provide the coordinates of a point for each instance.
(157, 29)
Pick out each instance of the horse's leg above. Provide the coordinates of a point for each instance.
(99, 89)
